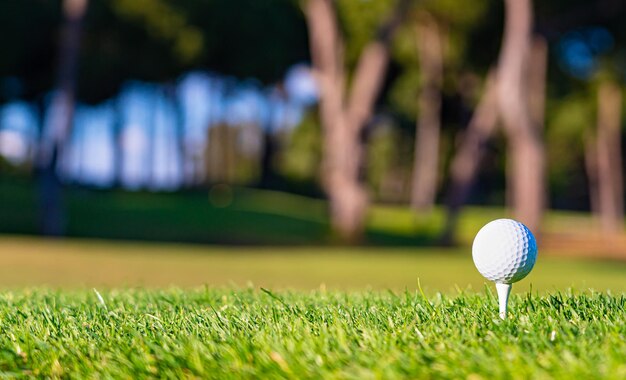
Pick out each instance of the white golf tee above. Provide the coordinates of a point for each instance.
(503, 297)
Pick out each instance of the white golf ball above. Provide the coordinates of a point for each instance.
(504, 251)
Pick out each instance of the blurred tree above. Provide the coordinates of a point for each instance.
(271, 139)
(343, 118)
(432, 51)
(526, 163)
(466, 161)
(221, 154)
(569, 134)
(388, 170)
(302, 153)
(426, 162)
(59, 120)
(591, 56)
(152, 40)
(29, 39)
(523, 91)
(605, 159)
(157, 40)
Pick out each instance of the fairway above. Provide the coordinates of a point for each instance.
(26, 261)
(313, 189)
(213, 333)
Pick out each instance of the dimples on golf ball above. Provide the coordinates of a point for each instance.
(504, 251)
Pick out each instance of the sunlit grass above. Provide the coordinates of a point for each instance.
(256, 333)
(180, 310)
(28, 261)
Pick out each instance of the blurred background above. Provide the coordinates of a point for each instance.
(308, 143)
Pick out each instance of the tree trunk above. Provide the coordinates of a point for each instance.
(537, 72)
(609, 158)
(221, 154)
(59, 121)
(268, 177)
(536, 81)
(465, 164)
(343, 119)
(348, 198)
(526, 158)
(271, 143)
(426, 157)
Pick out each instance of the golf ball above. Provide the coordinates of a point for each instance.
(504, 251)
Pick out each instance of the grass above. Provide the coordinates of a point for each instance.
(183, 311)
(255, 333)
(27, 261)
(254, 217)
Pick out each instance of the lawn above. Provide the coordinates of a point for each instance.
(262, 217)
(295, 306)
(256, 333)
(28, 261)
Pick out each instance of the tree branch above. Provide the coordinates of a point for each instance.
(370, 71)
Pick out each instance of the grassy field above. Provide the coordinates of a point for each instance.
(27, 261)
(293, 306)
(247, 333)
(252, 217)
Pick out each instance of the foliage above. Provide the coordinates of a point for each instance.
(225, 333)
(165, 22)
(154, 40)
(571, 125)
(301, 155)
(456, 24)
(157, 40)
(359, 21)
(30, 33)
(388, 170)
(250, 38)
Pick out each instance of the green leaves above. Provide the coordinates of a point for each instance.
(166, 22)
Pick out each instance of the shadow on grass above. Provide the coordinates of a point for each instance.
(246, 217)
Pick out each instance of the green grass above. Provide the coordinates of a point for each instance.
(249, 333)
(333, 312)
(26, 261)
(254, 217)
(183, 311)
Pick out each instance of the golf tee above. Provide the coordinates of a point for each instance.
(503, 297)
